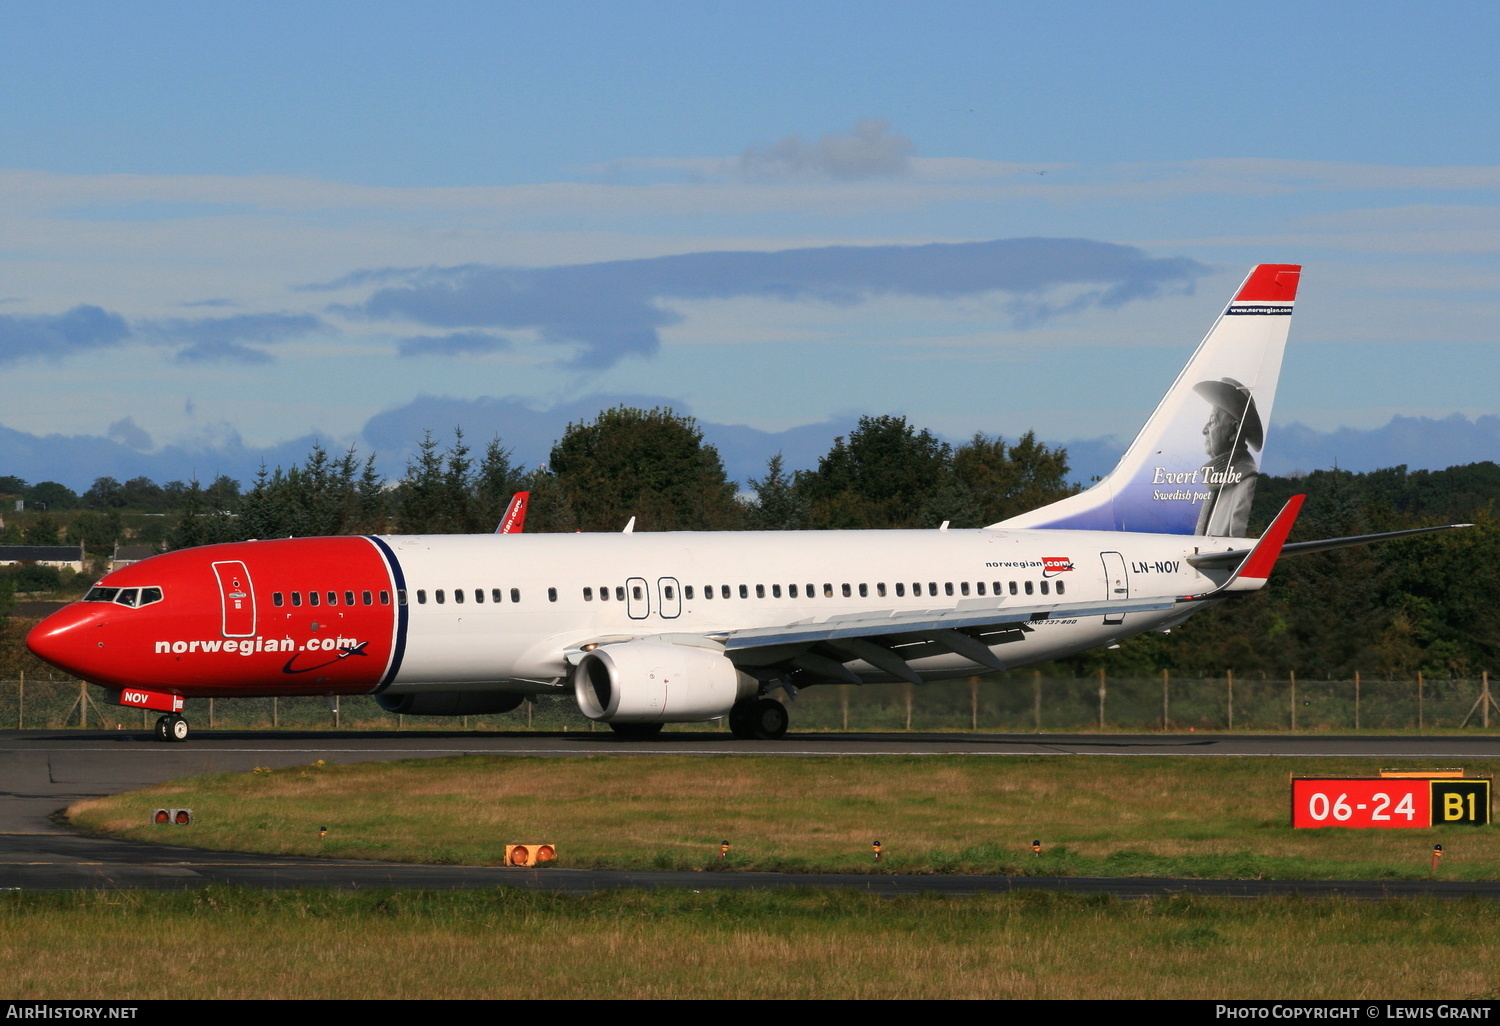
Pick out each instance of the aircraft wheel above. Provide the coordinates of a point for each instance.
(177, 728)
(636, 731)
(163, 733)
(764, 719)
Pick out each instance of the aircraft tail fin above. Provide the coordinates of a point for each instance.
(1193, 467)
(515, 514)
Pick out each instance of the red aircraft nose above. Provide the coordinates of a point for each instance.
(72, 639)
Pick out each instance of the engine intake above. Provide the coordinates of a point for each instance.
(657, 682)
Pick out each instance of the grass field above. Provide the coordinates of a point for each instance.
(223, 943)
(1094, 817)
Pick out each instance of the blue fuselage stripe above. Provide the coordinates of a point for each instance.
(398, 578)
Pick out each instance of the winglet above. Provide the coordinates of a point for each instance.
(1252, 573)
(515, 514)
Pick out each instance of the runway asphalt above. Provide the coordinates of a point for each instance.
(41, 772)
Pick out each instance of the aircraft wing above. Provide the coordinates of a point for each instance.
(888, 639)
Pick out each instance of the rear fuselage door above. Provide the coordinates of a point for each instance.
(236, 599)
(637, 598)
(1116, 583)
(668, 598)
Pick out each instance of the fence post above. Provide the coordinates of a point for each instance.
(275, 712)
(1101, 698)
(1293, 674)
(973, 703)
(1166, 718)
(21, 704)
(210, 714)
(1036, 689)
(1356, 699)
(1485, 676)
(844, 706)
(1229, 690)
(1419, 701)
(83, 706)
(908, 707)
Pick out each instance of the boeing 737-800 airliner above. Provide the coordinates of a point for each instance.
(646, 629)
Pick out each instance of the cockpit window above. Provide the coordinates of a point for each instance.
(129, 597)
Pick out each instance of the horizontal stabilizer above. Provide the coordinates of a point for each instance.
(1233, 557)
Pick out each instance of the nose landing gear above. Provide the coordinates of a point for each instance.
(172, 727)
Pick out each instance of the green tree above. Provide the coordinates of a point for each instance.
(1006, 481)
(652, 465)
(41, 531)
(778, 504)
(885, 475)
(52, 496)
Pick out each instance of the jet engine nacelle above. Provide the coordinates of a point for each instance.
(449, 703)
(655, 681)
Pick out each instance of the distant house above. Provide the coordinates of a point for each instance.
(60, 556)
(127, 554)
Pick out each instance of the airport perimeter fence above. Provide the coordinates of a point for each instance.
(1015, 702)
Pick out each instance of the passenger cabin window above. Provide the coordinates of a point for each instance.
(312, 598)
(776, 591)
(948, 588)
(368, 598)
(979, 587)
(744, 591)
(619, 594)
(588, 594)
(791, 589)
(900, 590)
(932, 587)
(1012, 587)
(458, 595)
(760, 591)
(333, 598)
(708, 591)
(495, 595)
(439, 595)
(515, 594)
(1044, 587)
(687, 591)
(847, 592)
(723, 591)
(1028, 587)
(421, 596)
(385, 597)
(552, 594)
(1059, 587)
(296, 598)
(880, 589)
(277, 598)
(827, 590)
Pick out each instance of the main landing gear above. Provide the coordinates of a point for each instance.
(758, 719)
(172, 727)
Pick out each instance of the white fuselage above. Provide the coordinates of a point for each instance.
(557, 592)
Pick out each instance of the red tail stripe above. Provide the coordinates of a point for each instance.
(1271, 283)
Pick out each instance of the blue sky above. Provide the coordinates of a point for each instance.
(225, 231)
